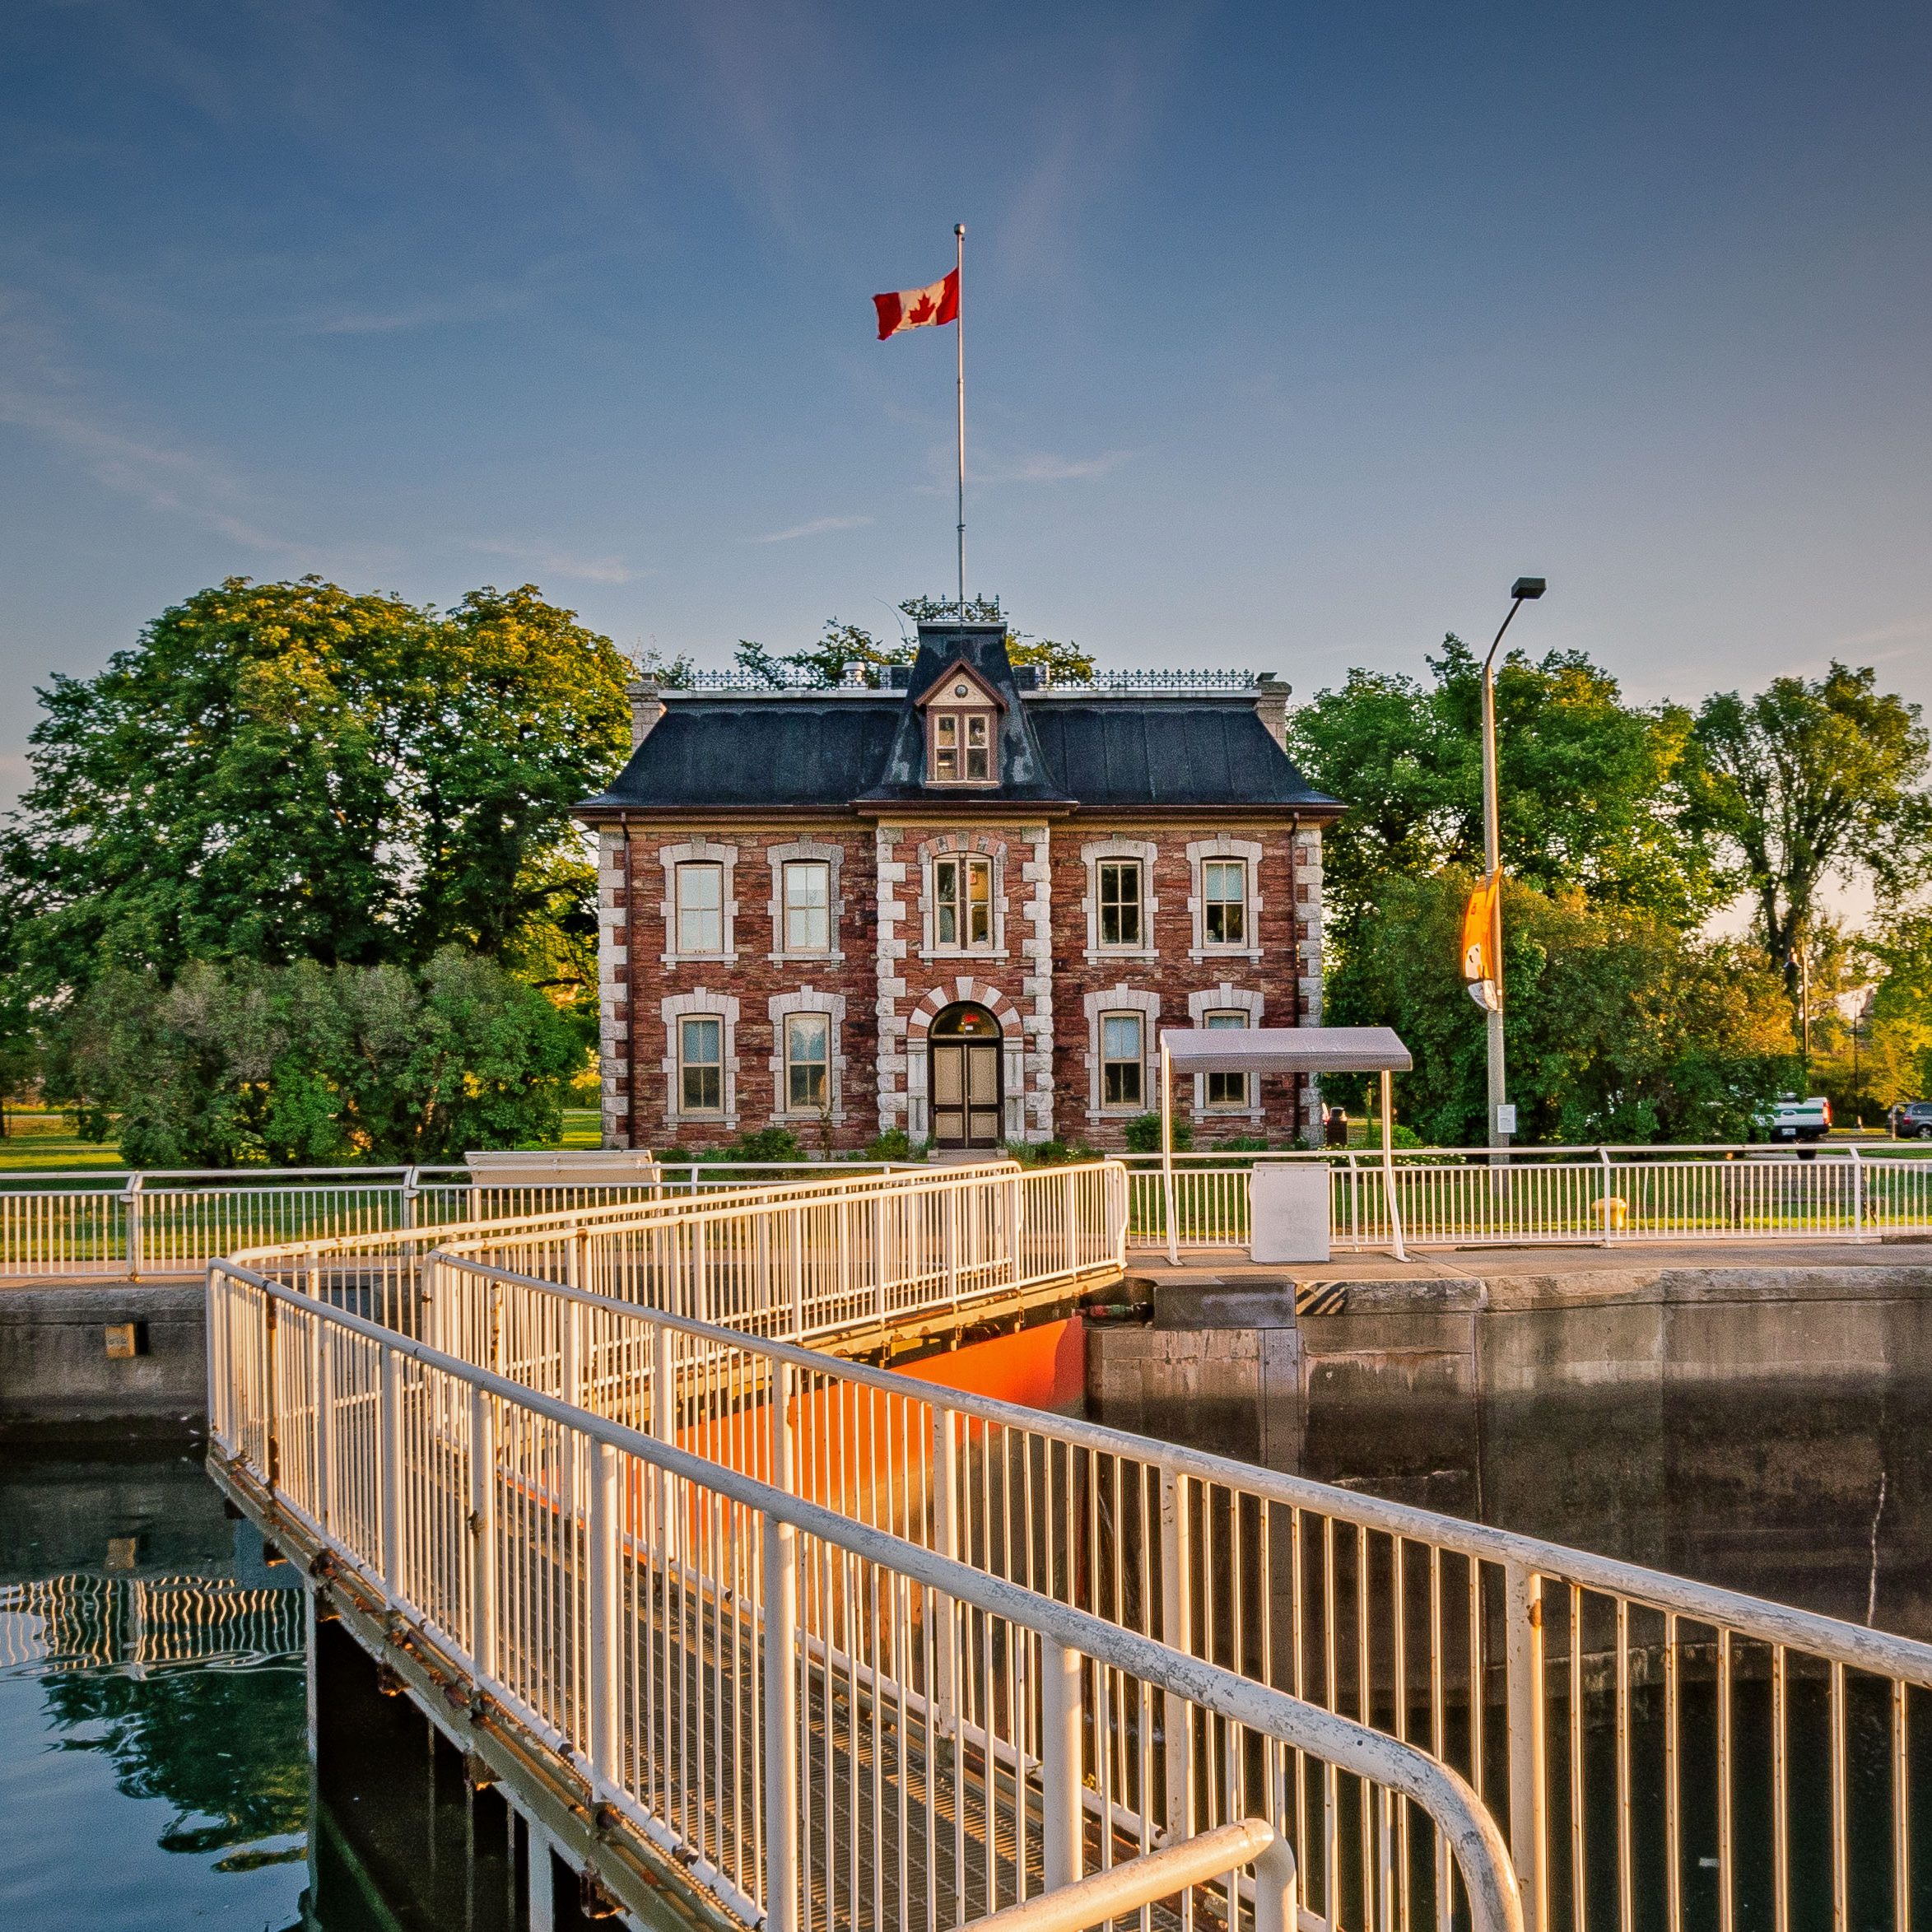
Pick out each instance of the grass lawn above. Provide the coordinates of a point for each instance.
(40, 1142)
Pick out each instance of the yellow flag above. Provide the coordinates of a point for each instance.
(1479, 925)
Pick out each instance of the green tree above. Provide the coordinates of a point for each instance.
(1591, 791)
(823, 665)
(307, 1065)
(1619, 1026)
(1810, 779)
(287, 771)
(1899, 1058)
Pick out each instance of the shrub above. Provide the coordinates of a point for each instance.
(894, 1144)
(1144, 1134)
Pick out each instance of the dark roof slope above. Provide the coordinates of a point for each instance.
(753, 752)
(820, 752)
(1162, 752)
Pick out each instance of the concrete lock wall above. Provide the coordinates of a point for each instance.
(1239, 1356)
(58, 1378)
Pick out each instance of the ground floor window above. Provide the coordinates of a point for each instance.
(1227, 1090)
(807, 1061)
(1123, 1061)
(701, 1064)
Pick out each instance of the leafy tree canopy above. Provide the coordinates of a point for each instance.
(1809, 778)
(306, 1065)
(1591, 790)
(286, 771)
(1619, 1026)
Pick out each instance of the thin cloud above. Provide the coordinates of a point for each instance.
(1043, 467)
(561, 563)
(817, 527)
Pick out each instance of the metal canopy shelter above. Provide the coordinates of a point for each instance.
(1280, 1049)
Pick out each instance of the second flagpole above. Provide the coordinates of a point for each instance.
(959, 326)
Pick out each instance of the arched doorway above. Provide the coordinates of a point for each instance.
(964, 1077)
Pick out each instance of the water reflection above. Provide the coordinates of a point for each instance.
(153, 1761)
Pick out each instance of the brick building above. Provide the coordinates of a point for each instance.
(961, 906)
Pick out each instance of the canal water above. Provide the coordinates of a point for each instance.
(155, 1762)
(155, 1759)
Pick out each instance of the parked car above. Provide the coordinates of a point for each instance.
(1911, 1119)
(1793, 1119)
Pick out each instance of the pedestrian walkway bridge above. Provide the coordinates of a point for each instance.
(761, 1636)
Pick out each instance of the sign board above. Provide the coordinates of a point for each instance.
(1505, 1116)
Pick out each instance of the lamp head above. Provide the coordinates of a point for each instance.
(1527, 589)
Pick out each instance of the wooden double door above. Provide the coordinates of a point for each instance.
(964, 1078)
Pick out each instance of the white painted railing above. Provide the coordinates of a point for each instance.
(804, 1259)
(1580, 1195)
(1636, 1731)
(83, 1223)
(827, 1724)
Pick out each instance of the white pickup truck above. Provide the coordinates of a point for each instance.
(1793, 1119)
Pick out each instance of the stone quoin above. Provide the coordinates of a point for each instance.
(961, 906)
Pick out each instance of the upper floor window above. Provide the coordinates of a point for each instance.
(1119, 883)
(1227, 1090)
(961, 744)
(701, 1065)
(962, 901)
(1224, 894)
(1123, 1059)
(808, 906)
(700, 908)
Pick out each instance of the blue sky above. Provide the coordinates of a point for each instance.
(1294, 334)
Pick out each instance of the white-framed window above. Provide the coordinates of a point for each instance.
(1123, 1021)
(806, 890)
(1224, 902)
(1224, 874)
(701, 1064)
(1227, 1090)
(807, 1062)
(1123, 1062)
(962, 736)
(1120, 896)
(699, 909)
(962, 902)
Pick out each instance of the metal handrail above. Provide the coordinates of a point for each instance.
(1063, 1631)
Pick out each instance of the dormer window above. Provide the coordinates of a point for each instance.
(962, 739)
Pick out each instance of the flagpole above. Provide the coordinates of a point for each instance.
(959, 343)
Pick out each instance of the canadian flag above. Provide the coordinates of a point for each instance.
(914, 308)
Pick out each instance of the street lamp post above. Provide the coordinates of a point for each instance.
(1525, 590)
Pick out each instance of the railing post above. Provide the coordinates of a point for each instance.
(1858, 1193)
(389, 1407)
(322, 1389)
(1072, 1182)
(406, 1214)
(1523, 1615)
(1061, 1823)
(132, 1197)
(949, 1236)
(1603, 1170)
(606, 1666)
(482, 1530)
(1278, 1884)
(945, 1479)
(781, 1683)
(1177, 1632)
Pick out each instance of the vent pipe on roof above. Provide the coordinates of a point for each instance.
(1271, 705)
(646, 708)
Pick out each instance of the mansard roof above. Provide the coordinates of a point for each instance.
(1059, 751)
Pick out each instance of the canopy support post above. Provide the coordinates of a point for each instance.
(1389, 1160)
(1167, 1152)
